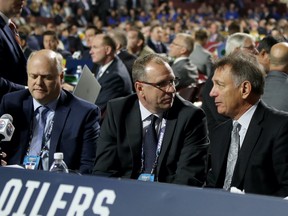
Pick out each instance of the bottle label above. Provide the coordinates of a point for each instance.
(31, 162)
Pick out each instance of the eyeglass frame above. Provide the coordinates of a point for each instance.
(168, 84)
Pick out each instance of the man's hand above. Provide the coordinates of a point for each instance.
(3, 155)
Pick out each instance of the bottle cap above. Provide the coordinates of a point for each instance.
(58, 156)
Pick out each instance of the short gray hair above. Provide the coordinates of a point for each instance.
(235, 41)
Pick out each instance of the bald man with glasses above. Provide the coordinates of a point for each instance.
(179, 140)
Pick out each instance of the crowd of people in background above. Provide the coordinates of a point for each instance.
(69, 19)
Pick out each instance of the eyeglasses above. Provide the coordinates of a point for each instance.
(163, 85)
(251, 48)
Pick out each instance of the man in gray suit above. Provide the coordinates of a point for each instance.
(276, 81)
(180, 49)
(201, 57)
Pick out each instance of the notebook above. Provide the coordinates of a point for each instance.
(88, 87)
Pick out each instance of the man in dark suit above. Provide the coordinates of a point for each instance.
(183, 68)
(181, 130)
(258, 163)
(235, 42)
(72, 125)
(154, 41)
(12, 59)
(110, 71)
(121, 49)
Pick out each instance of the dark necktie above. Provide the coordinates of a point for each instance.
(159, 48)
(13, 28)
(232, 155)
(36, 146)
(150, 145)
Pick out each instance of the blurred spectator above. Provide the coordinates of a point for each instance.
(136, 43)
(50, 41)
(183, 68)
(127, 58)
(154, 41)
(276, 81)
(264, 47)
(24, 34)
(201, 57)
(90, 32)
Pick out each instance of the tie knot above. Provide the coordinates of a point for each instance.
(236, 126)
(43, 110)
(153, 119)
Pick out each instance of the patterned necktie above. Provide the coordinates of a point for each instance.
(36, 145)
(150, 145)
(232, 155)
(100, 73)
(13, 28)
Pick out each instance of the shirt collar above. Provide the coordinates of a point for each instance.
(104, 67)
(179, 59)
(245, 119)
(146, 113)
(52, 105)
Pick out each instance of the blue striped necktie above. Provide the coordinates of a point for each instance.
(150, 145)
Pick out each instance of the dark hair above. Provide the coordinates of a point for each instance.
(266, 43)
(201, 35)
(50, 33)
(109, 41)
(96, 30)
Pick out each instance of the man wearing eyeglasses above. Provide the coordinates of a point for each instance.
(180, 49)
(153, 135)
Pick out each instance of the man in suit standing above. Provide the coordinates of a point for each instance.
(255, 158)
(276, 81)
(180, 49)
(180, 133)
(109, 70)
(71, 124)
(12, 59)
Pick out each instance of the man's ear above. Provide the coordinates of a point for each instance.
(108, 49)
(246, 88)
(262, 53)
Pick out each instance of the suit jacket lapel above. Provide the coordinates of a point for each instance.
(28, 119)
(220, 149)
(167, 139)
(10, 37)
(253, 133)
(61, 114)
(134, 134)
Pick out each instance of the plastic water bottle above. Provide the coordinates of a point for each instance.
(59, 165)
